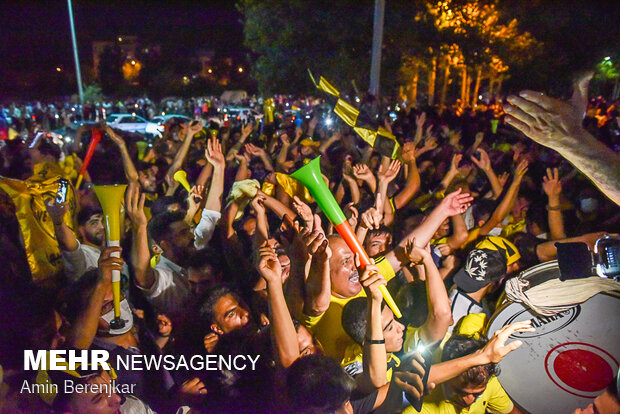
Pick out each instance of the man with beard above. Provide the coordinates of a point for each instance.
(79, 256)
(166, 285)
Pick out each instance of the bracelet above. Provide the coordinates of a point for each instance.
(375, 341)
(554, 208)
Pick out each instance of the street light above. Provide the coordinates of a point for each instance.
(240, 69)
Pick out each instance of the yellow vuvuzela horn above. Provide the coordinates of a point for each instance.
(181, 177)
(110, 197)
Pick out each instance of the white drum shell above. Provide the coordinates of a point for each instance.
(527, 374)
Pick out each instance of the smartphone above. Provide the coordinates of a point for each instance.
(61, 194)
(607, 250)
(426, 353)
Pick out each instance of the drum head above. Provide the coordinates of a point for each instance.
(568, 361)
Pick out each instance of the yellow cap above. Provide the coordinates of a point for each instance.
(496, 243)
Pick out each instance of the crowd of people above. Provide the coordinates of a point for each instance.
(245, 263)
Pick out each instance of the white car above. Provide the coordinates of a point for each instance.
(127, 122)
(155, 126)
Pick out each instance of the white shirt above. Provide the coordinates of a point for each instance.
(205, 228)
(83, 259)
(80, 261)
(462, 305)
(171, 289)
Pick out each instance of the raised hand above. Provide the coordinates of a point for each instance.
(484, 163)
(304, 211)
(372, 218)
(420, 119)
(107, 263)
(390, 172)
(352, 214)
(134, 205)
(362, 172)
(415, 253)
(371, 279)
(214, 154)
(57, 211)
(408, 154)
(195, 197)
(496, 349)
(247, 130)
(258, 204)
(210, 341)
(268, 265)
(552, 184)
(456, 160)
(521, 170)
(456, 203)
(546, 120)
(195, 127)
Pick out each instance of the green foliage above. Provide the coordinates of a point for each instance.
(93, 93)
(287, 37)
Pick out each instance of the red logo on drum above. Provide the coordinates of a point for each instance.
(545, 324)
(580, 369)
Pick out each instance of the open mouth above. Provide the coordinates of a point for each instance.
(354, 278)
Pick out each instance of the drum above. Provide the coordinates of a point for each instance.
(570, 358)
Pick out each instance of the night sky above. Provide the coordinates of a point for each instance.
(36, 33)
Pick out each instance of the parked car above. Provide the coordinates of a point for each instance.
(155, 127)
(127, 122)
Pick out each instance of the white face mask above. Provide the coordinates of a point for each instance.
(496, 231)
(126, 316)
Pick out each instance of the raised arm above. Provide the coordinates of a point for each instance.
(386, 176)
(130, 170)
(412, 185)
(374, 357)
(318, 282)
(558, 125)
(493, 352)
(553, 188)
(484, 163)
(506, 204)
(281, 323)
(140, 255)
(439, 312)
(454, 203)
(84, 328)
(177, 162)
(65, 236)
(216, 159)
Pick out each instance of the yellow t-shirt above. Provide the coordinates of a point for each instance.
(493, 399)
(327, 327)
(353, 363)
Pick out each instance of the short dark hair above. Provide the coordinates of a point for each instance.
(159, 226)
(210, 298)
(160, 206)
(461, 345)
(482, 210)
(49, 148)
(86, 213)
(354, 320)
(317, 384)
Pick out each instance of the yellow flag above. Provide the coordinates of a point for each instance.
(42, 251)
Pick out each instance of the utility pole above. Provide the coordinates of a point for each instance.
(377, 40)
(78, 74)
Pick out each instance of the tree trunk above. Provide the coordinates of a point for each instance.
(444, 87)
(468, 92)
(413, 88)
(432, 75)
(491, 85)
(499, 86)
(474, 98)
(464, 100)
